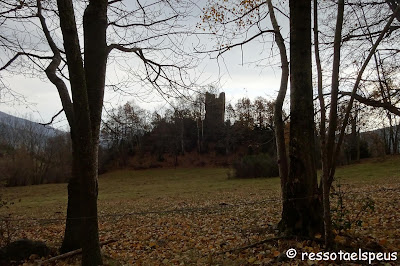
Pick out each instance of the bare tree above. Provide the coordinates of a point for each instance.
(302, 211)
(330, 142)
(48, 40)
(239, 24)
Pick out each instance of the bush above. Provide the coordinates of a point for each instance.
(259, 165)
(21, 250)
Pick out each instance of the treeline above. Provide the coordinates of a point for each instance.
(31, 154)
(201, 128)
(203, 132)
(242, 137)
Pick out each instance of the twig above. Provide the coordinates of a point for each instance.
(52, 119)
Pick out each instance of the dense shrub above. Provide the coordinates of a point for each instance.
(259, 165)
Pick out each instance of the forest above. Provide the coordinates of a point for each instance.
(240, 137)
(181, 184)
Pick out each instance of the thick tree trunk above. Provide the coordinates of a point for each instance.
(72, 235)
(91, 254)
(87, 86)
(95, 25)
(82, 223)
(302, 210)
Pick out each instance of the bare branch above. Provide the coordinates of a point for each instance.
(374, 103)
(17, 7)
(356, 85)
(52, 68)
(23, 53)
(142, 24)
(114, 1)
(52, 119)
(393, 5)
(229, 47)
(122, 48)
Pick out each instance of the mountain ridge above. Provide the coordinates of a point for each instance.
(10, 124)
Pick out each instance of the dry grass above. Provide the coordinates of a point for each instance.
(215, 213)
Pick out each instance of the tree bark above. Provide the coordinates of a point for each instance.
(322, 133)
(331, 137)
(95, 26)
(72, 234)
(87, 86)
(279, 124)
(302, 210)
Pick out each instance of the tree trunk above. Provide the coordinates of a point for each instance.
(279, 124)
(302, 210)
(87, 79)
(396, 140)
(72, 235)
(393, 4)
(91, 254)
(354, 92)
(322, 132)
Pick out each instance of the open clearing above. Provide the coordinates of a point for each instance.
(191, 216)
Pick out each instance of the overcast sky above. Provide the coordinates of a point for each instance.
(236, 78)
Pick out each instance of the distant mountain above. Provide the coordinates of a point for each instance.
(14, 129)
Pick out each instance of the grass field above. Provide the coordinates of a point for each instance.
(148, 187)
(173, 216)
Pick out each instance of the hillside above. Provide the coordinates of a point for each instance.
(31, 153)
(10, 124)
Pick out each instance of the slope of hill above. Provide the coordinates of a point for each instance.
(31, 153)
(12, 126)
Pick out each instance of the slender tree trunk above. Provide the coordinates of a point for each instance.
(302, 210)
(396, 12)
(198, 135)
(358, 145)
(396, 140)
(278, 120)
(322, 132)
(182, 133)
(391, 135)
(330, 142)
(386, 141)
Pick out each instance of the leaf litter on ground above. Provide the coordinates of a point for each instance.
(210, 228)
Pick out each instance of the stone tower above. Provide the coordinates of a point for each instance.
(215, 115)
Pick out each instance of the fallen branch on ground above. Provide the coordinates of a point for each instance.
(74, 252)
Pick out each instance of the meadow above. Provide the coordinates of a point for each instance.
(199, 216)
